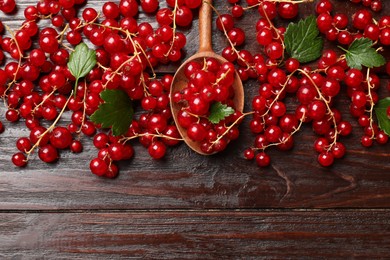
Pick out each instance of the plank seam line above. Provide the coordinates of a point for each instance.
(230, 210)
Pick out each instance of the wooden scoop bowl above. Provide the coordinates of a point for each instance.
(205, 51)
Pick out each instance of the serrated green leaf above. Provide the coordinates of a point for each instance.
(361, 53)
(302, 40)
(81, 61)
(381, 114)
(116, 111)
(219, 111)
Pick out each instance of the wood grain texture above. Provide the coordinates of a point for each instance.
(196, 235)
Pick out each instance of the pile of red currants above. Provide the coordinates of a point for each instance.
(208, 89)
(38, 86)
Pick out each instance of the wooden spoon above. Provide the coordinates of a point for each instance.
(205, 51)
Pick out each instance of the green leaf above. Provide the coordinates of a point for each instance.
(219, 111)
(81, 61)
(303, 41)
(361, 53)
(381, 114)
(116, 112)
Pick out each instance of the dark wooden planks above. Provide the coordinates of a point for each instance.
(185, 180)
(189, 235)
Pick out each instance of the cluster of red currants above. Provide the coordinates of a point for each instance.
(361, 88)
(38, 86)
(154, 130)
(375, 5)
(335, 27)
(313, 88)
(209, 83)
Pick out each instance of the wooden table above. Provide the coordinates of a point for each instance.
(191, 206)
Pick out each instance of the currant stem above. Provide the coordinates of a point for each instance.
(19, 60)
(159, 135)
(43, 101)
(50, 128)
(275, 30)
(62, 33)
(327, 107)
(372, 104)
(296, 129)
(281, 1)
(231, 126)
(223, 76)
(227, 37)
(278, 95)
(84, 111)
(173, 28)
(116, 72)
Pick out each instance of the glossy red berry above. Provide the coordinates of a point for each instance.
(149, 6)
(76, 146)
(60, 137)
(262, 159)
(157, 149)
(287, 10)
(361, 18)
(325, 159)
(48, 43)
(98, 166)
(19, 159)
(23, 144)
(48, 153)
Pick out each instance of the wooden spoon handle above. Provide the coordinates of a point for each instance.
(205, 19)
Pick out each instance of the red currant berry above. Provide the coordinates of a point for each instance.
(287, 10)
(366, 141)
(48, 153)
(361, 18)
(19, 159)
(263, 159)
(98, 166)
(325, 159)
(60, 137)
(76, 146)
(157, 150)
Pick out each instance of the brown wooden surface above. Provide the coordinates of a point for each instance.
(191, 206)
(189, 235)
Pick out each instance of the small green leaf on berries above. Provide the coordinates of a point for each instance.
(361, 53)
(116, 111)
(219, 111)
(381, 114)
(303, 41)
(81, 61)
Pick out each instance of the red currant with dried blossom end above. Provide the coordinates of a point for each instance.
(157, 149)
(325, 159)
(48, 153)
(23, 144)
(249, 154)
(361, 18)
(76, 146)
(98, 166)
(60, 137)
(287, 10)
(262, 159)
(19, 159)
